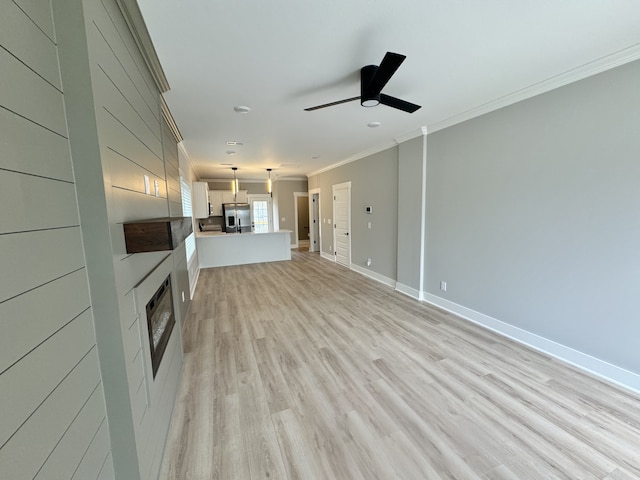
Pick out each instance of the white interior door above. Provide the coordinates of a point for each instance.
(342, 223)
(261, 213)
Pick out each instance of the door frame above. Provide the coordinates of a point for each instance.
(312, 233)
(295, 214)
(262, 196)
(346, 185)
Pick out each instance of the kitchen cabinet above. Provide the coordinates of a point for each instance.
(242, 196)
(215, 197)
(227, 196)
(218, 197)
(200, 199)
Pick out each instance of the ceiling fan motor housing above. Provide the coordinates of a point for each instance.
(368, 98)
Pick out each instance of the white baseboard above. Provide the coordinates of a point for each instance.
(374, 276)
(327, 256)
(195, 282)
(595, 366)
(410, 291)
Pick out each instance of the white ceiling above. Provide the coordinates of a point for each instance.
(281, 56)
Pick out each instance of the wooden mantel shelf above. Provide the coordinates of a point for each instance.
(156, 235)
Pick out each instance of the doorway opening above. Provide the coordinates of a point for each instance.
(315, 237)
(301, 206)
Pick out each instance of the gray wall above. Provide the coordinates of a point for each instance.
(374, 181)
(251, 187)
(284, 204)
(532, 215)
(53, 420)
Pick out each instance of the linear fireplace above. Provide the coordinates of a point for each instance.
(160, 321)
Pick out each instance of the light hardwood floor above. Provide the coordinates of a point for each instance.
(306, 370)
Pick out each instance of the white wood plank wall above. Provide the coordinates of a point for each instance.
(53, 418)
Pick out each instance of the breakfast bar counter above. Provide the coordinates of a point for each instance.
(217, 249)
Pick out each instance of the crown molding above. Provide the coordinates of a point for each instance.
(419, 132)
(354, 158)
(166, 113)
(600, 65)
(256, 180)
(137, 26)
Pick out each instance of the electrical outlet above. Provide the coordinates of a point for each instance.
(369, 225)
(443, 286)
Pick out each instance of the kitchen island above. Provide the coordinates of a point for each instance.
(217, 249)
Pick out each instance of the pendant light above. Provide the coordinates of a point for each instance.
(234, 184)
(269, 191)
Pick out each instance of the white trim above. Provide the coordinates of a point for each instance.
(328, 256)
(389, 282)
(595, 366)
(346, 185)
(261, 196)
(138, 28)
(195, 282)
(295, 216)
(256, 180)
(423, 216)
(600, 65)
(354, 158)
(171, 123)
(312, 192)
(410, 135)
(409, 291)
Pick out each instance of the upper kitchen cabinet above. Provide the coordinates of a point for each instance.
(242, 196)
(200, 199)
(215, 197)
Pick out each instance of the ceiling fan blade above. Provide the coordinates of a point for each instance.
(387, 68)
(310, 109)
(397, 103)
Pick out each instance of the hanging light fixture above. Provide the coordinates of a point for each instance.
(234, 184)
(269, 191)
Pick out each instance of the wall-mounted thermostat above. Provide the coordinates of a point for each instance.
(368, 209)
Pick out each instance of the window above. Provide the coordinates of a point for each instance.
(261, 216)
(190, 242)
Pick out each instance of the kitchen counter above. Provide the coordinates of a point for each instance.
(219, 249)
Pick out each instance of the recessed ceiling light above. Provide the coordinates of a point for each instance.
(233, 142)
(226, 164)
(231, 152)
(242, 109)
(315, 157)
(373, 124)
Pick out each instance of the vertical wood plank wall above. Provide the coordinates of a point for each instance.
(53, 419)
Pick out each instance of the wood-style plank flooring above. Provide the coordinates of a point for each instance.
(306, 370)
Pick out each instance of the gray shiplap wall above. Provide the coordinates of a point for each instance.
(53, 419)
(134, 140)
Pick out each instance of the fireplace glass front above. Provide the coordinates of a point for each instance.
(160, 321)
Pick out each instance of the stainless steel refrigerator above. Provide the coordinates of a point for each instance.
(237, 217)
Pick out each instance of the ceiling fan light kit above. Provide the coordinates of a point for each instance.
(373, 78)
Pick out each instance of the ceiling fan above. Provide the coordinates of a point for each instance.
(373, 78)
